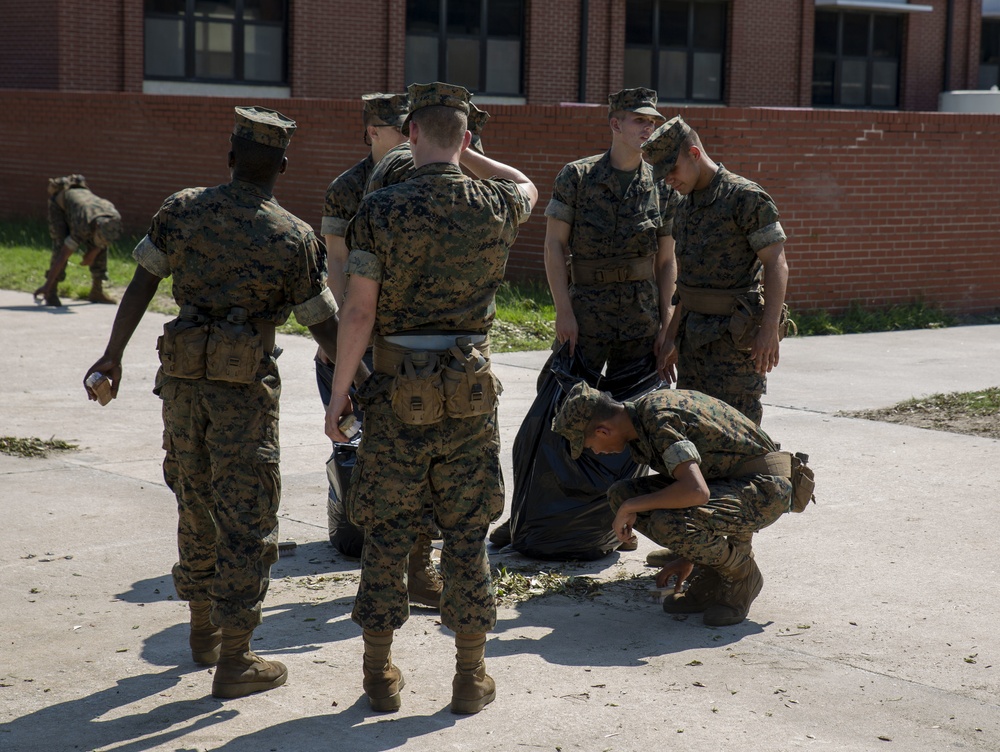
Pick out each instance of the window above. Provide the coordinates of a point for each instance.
(216, 40)
(856, 59)
(474, 43)
(989, 55)
(676, 48)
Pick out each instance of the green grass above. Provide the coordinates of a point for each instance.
(525, 317)
(985, 402)
(33, 447)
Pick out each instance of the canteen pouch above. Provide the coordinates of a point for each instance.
(182, 347)
(417, 396)
(803, 483)
(470, 388)
(234, 350)
(745, 320)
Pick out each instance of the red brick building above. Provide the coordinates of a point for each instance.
(830, 104)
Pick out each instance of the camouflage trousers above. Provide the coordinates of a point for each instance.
(709, 362)
(736, 508)
(222, 465)
(452, 467)
(617, 323)
(98, 267)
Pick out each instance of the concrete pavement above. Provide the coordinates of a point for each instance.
(876, 628)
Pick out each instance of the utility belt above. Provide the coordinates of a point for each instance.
(610, 270)
(785, 465)
(745, 308)
(437, 374)
(196, 345)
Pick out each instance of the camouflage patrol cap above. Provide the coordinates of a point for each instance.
(477, 121)
(661, 148)
(263, 126)
(388, 109)
(437, 93)
(639, 100)
(574, 416)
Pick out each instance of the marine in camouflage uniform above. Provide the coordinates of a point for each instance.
(383, 117)
(229, 247)
(729, 240)
(427, 254)
(710, 487)
(608, 247)
(81, 220)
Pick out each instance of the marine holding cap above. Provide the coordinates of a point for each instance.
(240, 265)
(426, 258)
(719, 475)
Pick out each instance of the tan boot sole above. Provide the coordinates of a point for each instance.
(468, 707)
(388, 704)
(242, 689)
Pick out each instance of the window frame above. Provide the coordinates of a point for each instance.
(839, 58)
(483, 39)
(654, 48)
(239, 24)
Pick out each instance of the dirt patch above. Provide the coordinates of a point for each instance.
(973, 413)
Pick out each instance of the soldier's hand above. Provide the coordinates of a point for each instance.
(110, 368)
(623, 523)
(679, 567)
(340, 405)
(567, 330)
(764, 350)
(665, 352)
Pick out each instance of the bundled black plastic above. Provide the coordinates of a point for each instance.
(559, 509)
(345, 536)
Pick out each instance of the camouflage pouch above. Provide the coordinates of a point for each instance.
(744, 323)
(803, 483)
(182, 347)
(470, 388)
(417, 395)
(235, 349)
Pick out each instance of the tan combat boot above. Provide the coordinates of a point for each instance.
(472, 689)
(423, 580)
(383, 680)
(242, 672)
(205, 638)
(741, 583)
(97, 294)
(702, 591)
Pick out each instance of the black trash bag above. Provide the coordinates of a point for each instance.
(560, 509)
(345, 536)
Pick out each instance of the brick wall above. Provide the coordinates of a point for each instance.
(879, 207)
(342, 49)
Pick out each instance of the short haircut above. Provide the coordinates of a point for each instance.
(691, 139)
(255, 161)
(605, 409)
(443, 126)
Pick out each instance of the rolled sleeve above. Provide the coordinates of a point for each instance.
(365, 264)
(765, 236)
(316, 310)
(679, 452)
(70, 242)
(558, 210)
(334, 226)
(151, 258)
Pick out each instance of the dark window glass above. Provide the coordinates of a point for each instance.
(856, 59)
(676, 47)
(423, 16)
(989, 54)
(639, 22)
(231, 41)
(480, 51)
(826, 34)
